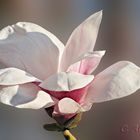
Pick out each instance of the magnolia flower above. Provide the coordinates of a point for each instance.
(38, 71)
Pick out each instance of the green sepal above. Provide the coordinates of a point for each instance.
(74, 121)
(53, 127)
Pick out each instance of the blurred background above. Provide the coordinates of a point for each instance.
(119, 34)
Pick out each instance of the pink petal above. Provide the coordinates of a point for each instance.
(66, 81)
(82, 40)
(118, 80)
(14, 76)
(77, 95)
(25, 96)
(88, 64)
(29, 47)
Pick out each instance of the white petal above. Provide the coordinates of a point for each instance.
(66, 81)
(119, 80)
(29, 47)
(68, 106)
(88, 62)
(82, 40)
(43, 100)
(25, 96)
(14, 76)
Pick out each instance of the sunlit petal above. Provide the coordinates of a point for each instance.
(82, 40)
(67, 106)
(118, 80)
(29, 47)
(66, 81)
(25, 96)
(14, 76)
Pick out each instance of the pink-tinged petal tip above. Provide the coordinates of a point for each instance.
(87, 63)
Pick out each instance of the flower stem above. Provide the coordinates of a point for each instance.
(68, 136)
